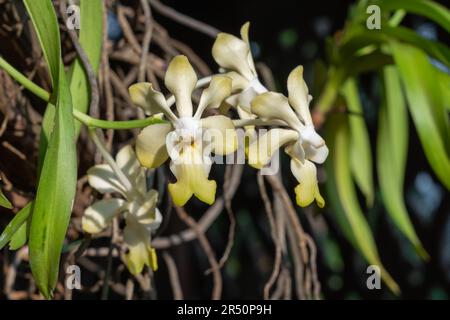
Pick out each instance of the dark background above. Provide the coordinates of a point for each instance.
(285, 34)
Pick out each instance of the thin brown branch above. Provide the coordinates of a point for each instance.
(184, 19)
(147, 39)
(274, 234)
(217, 277)
(173, 276)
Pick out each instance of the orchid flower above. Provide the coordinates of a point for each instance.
(234, 56)
(136, 204)
(188, 139)
(301, 141)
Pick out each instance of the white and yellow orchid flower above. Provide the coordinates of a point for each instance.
(234, 56)
(138, 206)
(188, 140)
(300, 139)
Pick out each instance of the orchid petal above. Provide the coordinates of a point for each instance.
(219, 89)
(308, 190)
(244, 35)
(145, 211)
(151, 101)
(238, 82)
(127, 161)
(296, 151)
(181, 79)
(310, 135)
(275, 106)
(140, 252)
(191, 170)
(262, 149)
(231, 53)
(317, 155)
(298, 94)
(222, 132)
(102, 178)
(151, 148)
(97, 217)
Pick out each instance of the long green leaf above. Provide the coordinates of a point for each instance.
(444, 81)
(55, 195)
(435, 49)
(57, 182)
(19, 238)
(360, 37)
(430, 9)
(338, 139)
(19, 219)
(90, 38)
(4, 202)
(426, 104)
(360, 153)
(392, 149)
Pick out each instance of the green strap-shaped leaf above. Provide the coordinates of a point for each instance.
(19, 238)
(338, 165)
(90, 38)
(430, 9)
(392, 149)
(435, 49)
(55, 195)
(426, 104)
(360, 153)
(19, 219)
(360, 38)
(57, 182)
(444, 81)
(47, 34)
(4, 202)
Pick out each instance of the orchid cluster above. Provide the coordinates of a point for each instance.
(190, 136)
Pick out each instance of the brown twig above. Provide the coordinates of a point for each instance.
(173, 276)
(217, 278)
(231, 217)
(274, 234)
(184, 19)
(147, 39)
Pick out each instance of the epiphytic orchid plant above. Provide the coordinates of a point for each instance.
(170, 142)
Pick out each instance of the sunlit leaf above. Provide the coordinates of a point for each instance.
(360, 153)
(57, 181)
(90, 38)
(392, 148)
(19, 238)
(4, 202)
(19, 219)
(426, 104)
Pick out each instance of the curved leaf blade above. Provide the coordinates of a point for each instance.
(360, 153)
(90, 37)
(339, 166)
(426, 105)
(19, 219)
(430, 9)
(4, 202)
(392, 148)
(57, 181)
